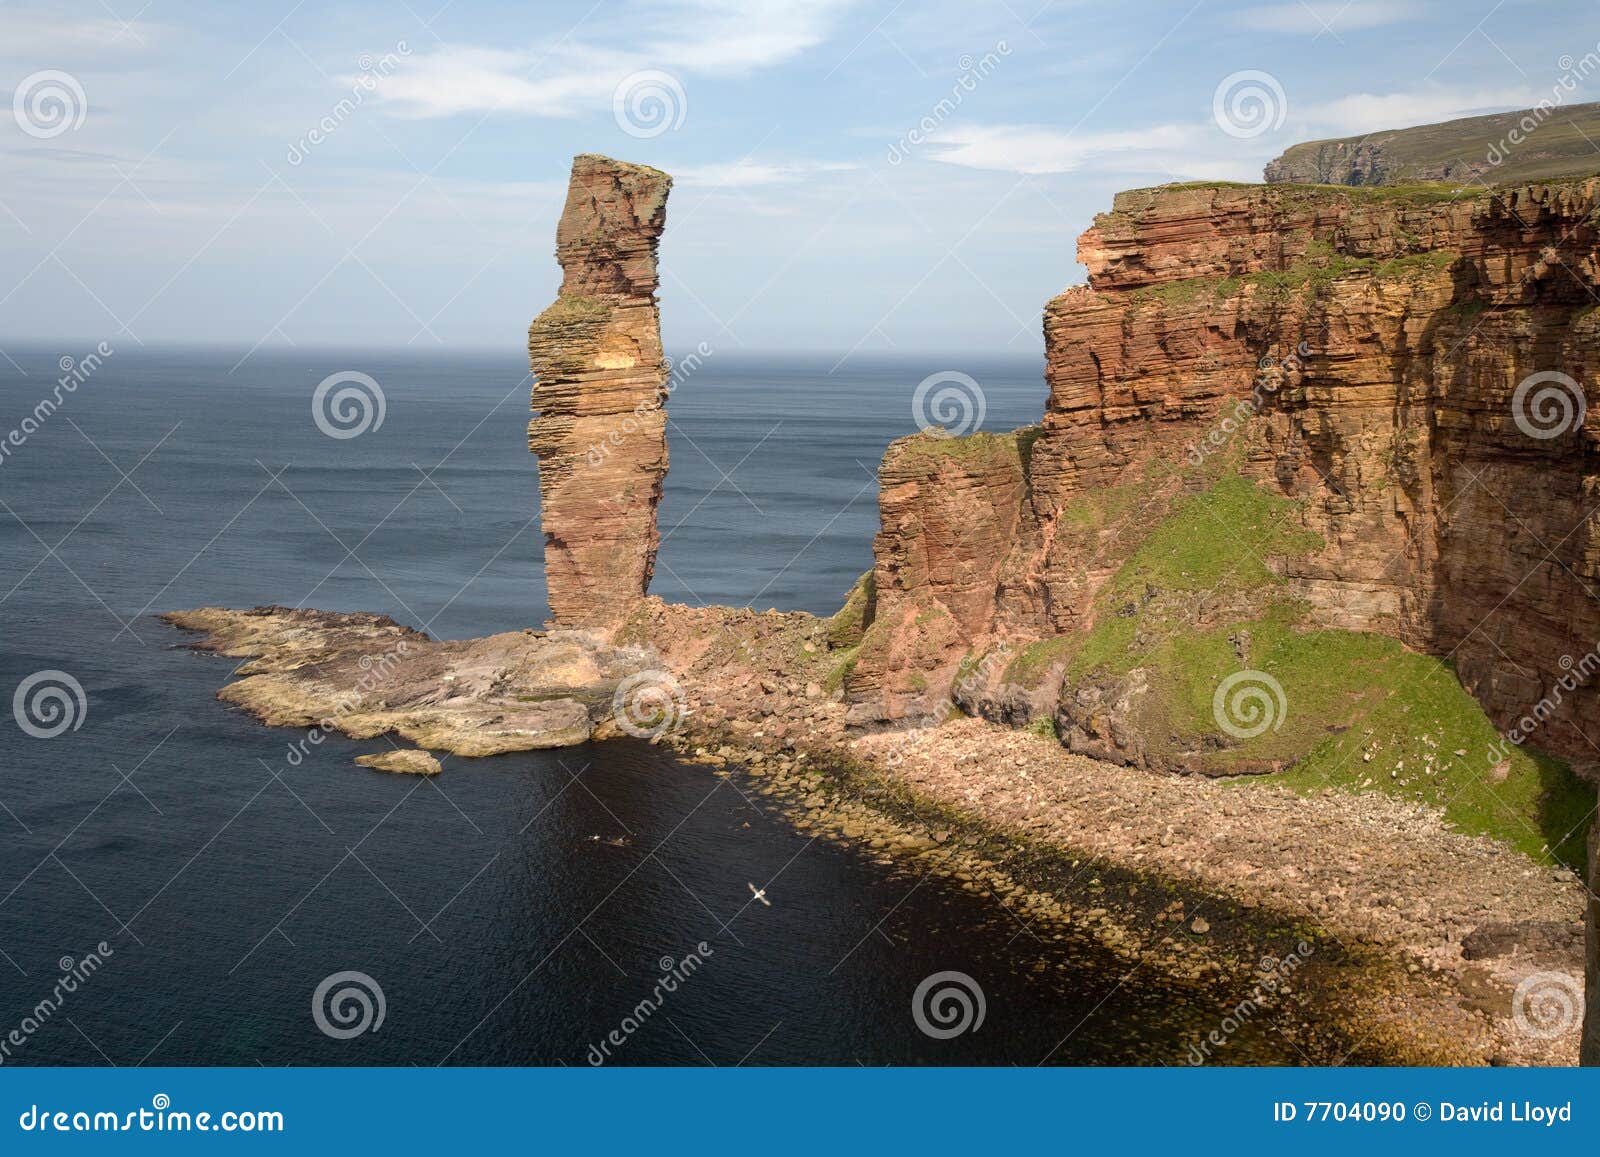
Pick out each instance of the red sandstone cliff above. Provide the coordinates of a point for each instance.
(1416, 315)
(600, 430)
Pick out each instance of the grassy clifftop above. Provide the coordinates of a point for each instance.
(1527, 145)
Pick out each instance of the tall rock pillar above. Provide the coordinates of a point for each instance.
(599, 428)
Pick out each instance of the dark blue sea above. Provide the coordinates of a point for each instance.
(227, 881)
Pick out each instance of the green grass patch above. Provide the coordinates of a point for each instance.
(1356, 711)
(850, 621)
(1311, 274)
(980, 449)
(1103, 508)
(1214, 541)
(1412, 717)
(1413, 193)
(1186, 291)
(1213, 544)
(1033, 662)
(570, 306)
(839, 673)
(1467, 312)
(1415, 264)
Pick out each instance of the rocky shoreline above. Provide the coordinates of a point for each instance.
(1418, 936)
(1424, 978)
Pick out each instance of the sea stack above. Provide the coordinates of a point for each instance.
(600, 429)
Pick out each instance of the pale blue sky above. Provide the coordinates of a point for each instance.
(189, 205)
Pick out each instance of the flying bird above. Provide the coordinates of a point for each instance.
(759, 894)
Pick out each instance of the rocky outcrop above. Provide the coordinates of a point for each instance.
(366, 675)
(402, 761)
(1531, 144)
(953, 511)
(1373, 161)
(600, 430)
(1349, 162)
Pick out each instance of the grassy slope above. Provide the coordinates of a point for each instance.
(1364, 713)
(1311, 276)
(1557, 147)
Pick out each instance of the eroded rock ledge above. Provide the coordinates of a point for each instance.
(366, 676)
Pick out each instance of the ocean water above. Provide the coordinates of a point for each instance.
(230, 876)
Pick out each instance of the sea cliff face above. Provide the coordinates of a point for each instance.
(1360, 356)
(601, 432)
(1334, 444)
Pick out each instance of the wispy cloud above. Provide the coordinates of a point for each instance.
(1176, 151)
(1315, 16)
(728, 38)
(1199, 151)
(746, 173)
(37, 33)
(1371, 112)
(731, 37)
(456, 79)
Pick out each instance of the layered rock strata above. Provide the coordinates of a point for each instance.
(600, 430)
(1364, 354)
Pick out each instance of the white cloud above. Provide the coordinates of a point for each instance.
(39, 34)
(1175, 151)
(1316, 17)
(737, 36)
(727, 38)
(1171, 152)
(457, 79)
(1370, 112)
(745, 173)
